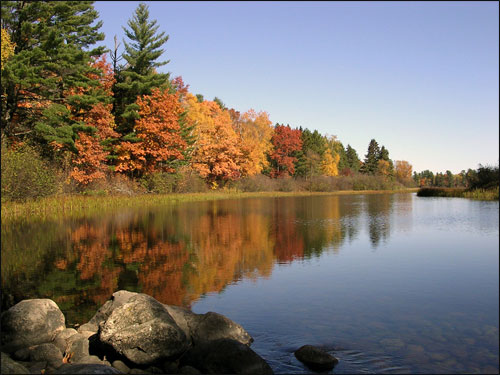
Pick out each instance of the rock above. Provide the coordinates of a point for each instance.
(170, 367)
(9, 366)
(138, 371)
(315, 358)
(185, 319)
(213, 326)
(31, 322)
(154, 370)
(143, 331)
(78, 349)
(60, 343)
(117, 299)
(88, 327)
(120, 366)
(37, 367)
(22, 354)
(189, 370)
(46, 352)
(90, 359)
(83, 368)
(225, 356)
(66, 333)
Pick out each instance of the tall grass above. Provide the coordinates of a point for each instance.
(479, 194)
(74, 206)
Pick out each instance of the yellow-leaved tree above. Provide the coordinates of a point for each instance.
(330, 163)
(216, 155)
(7, 47)
(254, 131)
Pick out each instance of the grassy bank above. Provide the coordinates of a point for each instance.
(479, 194)
(77, 205)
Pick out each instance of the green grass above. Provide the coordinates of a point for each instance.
(73, 206)
(478, 194)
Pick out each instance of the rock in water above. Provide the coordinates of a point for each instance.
(31, 322)
(143, 331)
(225, 356)
(315, 358)
(213, 326)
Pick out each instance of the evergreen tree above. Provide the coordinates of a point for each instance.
(371, 158)
(384, 155)
(309, 158)
(139, 75)
(50, 70)
(352, 159)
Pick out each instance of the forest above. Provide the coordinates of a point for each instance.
(77, 118)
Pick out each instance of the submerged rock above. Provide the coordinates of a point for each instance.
(315, 358)
(212, 326)
(31, 322)
(143, 331)
(225, 356)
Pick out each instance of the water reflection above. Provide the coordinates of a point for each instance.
(180, 252)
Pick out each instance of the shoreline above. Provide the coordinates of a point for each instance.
(74, 206)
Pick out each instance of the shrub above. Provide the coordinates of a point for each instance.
(25, 175)
(160, 182)
(256, 183)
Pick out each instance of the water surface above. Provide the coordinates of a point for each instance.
(386, 282)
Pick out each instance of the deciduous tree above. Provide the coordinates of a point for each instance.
(286, 142)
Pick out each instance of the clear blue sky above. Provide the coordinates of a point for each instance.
(422, 78)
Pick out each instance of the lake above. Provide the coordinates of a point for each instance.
(386, 282)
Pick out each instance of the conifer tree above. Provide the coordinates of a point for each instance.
(384, 155)
(139, 75)
(371, 158)
(52, 57)
(353, 161)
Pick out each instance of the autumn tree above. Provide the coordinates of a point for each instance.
(330, 163)
(94, 146)
(139, 75)
(159, 130)
(403, 171)
(7, 47)
(216, 155)
(254, 132)
(385, 164)
(53, 50)
(286, 142)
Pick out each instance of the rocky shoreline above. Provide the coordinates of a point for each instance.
(132, 333)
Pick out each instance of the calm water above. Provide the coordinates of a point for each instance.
(386, 282)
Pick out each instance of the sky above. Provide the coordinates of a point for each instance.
(421, 78)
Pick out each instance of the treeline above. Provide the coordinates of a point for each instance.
(485, 177)
(72, 118)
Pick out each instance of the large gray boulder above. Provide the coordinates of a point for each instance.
(225, 356)
(143, 331)
(9, 366)
(117, 299)
(185, 319)
(30, 322)
(315, 358)
(212, 326)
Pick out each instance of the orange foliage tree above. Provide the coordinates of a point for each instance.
(216, 155)
(286, 142)
(254, 131)
(89, 162)
(403, 170)
(161, 145)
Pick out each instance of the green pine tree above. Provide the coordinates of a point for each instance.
(371, 158)
(52, 57)
(139, 75)
(384, 155)
(352, 159)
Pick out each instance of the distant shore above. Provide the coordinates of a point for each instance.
(79, 205)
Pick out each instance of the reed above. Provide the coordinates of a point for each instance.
(478, 194)
(73, 206)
